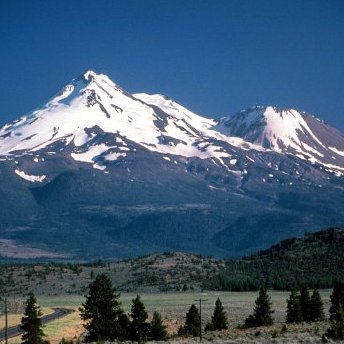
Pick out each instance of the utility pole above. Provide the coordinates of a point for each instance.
(6, 321)
(6, 304)
(200, 317)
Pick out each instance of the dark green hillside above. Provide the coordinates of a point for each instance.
(316, 260)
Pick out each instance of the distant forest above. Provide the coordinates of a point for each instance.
(316, 261)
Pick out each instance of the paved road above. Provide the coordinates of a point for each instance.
(14, 331)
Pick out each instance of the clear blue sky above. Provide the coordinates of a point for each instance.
(215, 57)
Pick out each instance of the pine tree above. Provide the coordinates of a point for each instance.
(219, 318)
(101, 310)
(192, 321)
(336, 330)
(31, 324)
(294, 312)
(262, 314)
(139, 327)
(157, 328)
(122, 328)
(337, 300)
(306, 305)
(317, 306)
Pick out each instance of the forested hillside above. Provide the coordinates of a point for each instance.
(315, 260)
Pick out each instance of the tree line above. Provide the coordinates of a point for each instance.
(104, 319)
(316, 260)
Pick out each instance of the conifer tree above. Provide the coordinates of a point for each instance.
(157, 328)
(101, 310)
(122, 328)
(31, 324)
(139, 328)
(192, 321)
(219, 318)
(262, 313)
(336, 330)
(337, 300)
(306, 305)
(317, 305)
(294, 312)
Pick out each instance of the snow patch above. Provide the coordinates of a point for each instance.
(99, 167)
(334, 149)
(30, 178)
(91, 153)
(114, 156)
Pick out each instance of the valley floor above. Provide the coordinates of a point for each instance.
(173, 307)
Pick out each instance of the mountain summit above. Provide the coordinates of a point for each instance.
(289, 131)
(93, 105)
(136, 173)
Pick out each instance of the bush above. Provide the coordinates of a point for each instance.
(66, 341)
(181, 331)
(209, 327)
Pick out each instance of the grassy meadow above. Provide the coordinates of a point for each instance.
(173, 307)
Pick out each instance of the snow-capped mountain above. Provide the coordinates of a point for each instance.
(289, 131)
(137, 173)
(91, 105)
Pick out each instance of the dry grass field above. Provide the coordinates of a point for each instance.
(173, 307)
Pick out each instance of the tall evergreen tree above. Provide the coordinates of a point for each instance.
(306, 305)
(336, 330)
(337, 300)
(139, 328)
(31, 324)
(294, 312)
(101, 310)
(262, 313)
(192, 321)
(157, 328)
(317, 305)
(219, 318)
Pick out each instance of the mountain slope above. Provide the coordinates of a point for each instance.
(289, 131)
(315, 260)
(138, 173)
(93, 105)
